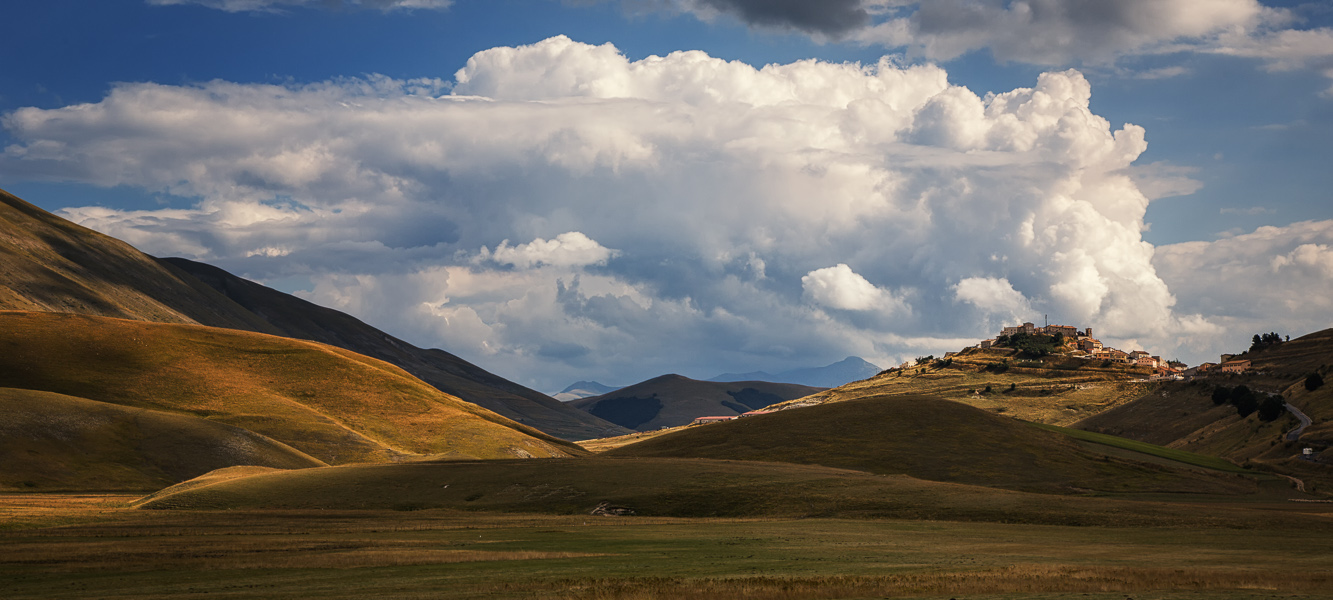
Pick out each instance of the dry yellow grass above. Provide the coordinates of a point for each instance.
(333, 404)
(611, 443)
(52, 442)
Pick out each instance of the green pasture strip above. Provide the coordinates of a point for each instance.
(1189, 458)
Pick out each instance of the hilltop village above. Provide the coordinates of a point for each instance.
(1030, 341)
(1079, 343)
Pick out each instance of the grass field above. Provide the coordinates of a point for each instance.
(98, 550)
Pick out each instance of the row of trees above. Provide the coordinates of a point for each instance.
(1264, 340)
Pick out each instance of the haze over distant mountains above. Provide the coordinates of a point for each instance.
(852, 368)
(847, 370)
(583, 389)
(673, 400)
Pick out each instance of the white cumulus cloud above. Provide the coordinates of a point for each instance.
(1271, 279)
(570, 249)
(993, 295)
(725, 190)
(842, 288)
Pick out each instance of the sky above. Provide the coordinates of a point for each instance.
(612, 190)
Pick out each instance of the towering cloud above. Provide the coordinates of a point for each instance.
(673, 213)
(1055, 32)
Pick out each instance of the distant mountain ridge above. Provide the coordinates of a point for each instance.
(52, 265)
(583, 389)
(672, 400)
(847, 370)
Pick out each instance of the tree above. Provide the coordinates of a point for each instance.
(1244, 400)
(1013, 386)
(1271, 408)
(1221, 394)
(987, 391)
(1313, 382)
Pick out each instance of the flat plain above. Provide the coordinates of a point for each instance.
(83, 546)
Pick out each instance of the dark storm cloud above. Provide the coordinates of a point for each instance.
(829, 17)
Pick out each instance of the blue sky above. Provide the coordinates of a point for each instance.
(569, 210)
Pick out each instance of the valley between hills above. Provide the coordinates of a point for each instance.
(168, 429)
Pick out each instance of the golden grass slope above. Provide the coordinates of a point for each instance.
(936, 439)
(50, 264)
(52, 442)
(330, 403)
(1056, 390)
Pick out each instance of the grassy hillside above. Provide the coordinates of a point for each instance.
(296, 318)
(931, 438)
(673, 400)
(51, 442)
(1183, 415)
(662, 487)
(1056, 389)
(332, 404)
(50, 264)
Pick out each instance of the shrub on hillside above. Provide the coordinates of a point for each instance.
(1032, 346)
(1313, 382)
(1221, 394)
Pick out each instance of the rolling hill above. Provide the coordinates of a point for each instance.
(297, 318)
(1057, 390)
(50, 264)
(935, 439)
(332, 404)
(52, 442)
(1183, 415)
(672, 400)
(665, 487)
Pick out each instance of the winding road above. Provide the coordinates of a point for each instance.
(1295, 434)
